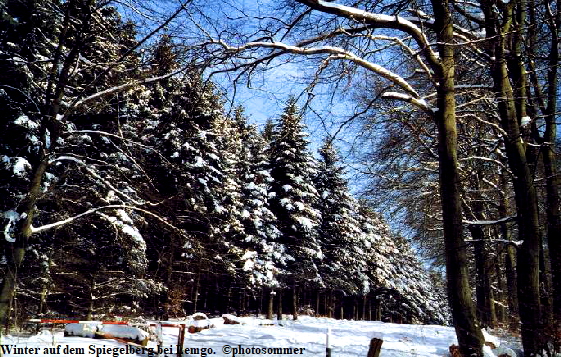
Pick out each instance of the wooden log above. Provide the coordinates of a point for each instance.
(375, 347)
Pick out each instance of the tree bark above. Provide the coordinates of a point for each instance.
(553, 204)
(17, 249)
(470, 338)
(279, 304)
(270, 300)
(485, 307)
(524, 189)
(294, 303)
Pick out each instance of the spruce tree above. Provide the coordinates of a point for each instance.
(341, 268)
(262, 253)
(293, 200)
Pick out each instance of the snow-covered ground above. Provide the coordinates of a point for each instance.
(258, 337)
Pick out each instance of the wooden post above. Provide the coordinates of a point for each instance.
(375, 347)
(180, 340)
(328, 343)
(159, 335)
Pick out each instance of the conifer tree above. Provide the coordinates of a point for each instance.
(294, 198)
(339, 230)
(263, 254)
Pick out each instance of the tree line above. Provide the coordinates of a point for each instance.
(128, 190)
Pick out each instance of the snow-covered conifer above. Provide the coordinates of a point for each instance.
(343, 266)
(293, 197)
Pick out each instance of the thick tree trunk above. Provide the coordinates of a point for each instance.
(294, 303)
(528, 223)
(279, 304)
(553, 182)
(527, 212)
(485, 307)
(470, 338)
(270, 300)
(16, 253)
(525, 193)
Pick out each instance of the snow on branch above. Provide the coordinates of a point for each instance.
(377, 21)
(80, 102)
(60, 223)
(488, 223)
(483, 158)
(420, 103)
(516, 243)
(334, 52)
(100, 179)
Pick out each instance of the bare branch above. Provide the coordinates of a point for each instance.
(378, 21)
(335, 53)
(69, 220)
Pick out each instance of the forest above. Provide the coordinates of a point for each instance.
(132, 182)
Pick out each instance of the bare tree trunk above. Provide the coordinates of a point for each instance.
(196, 293)
(294, 303)
(270, 300)
(553, 182)
(468, 332)
(17, 250)
(279, 304)
(485, 307)
(525, 193)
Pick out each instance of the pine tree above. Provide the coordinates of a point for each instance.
(398, 282)
(341, 268)
(293, 201)
(262, 255)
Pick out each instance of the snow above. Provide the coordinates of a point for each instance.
(24, 121)
(124, 331)
(83, 329)
(347, 338)
(12, 217)
(305, 222)
(199, 162)
(20, 166)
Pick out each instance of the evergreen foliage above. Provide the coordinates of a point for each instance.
(172, 205)
(294, 197)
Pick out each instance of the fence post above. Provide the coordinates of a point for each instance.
(181, 339)
(159, 336)
(375, 347)
(328, 343)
